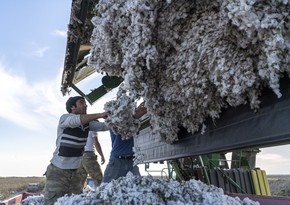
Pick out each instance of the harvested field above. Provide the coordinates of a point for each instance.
(279, 185)
(11, 186)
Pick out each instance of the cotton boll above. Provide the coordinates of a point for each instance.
(33, 200)
(121, 120)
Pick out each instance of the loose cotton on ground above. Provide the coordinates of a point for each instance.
(146, 190)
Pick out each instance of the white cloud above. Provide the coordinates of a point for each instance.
(273, 156)
(36, 105)
(274, 160)
(31, 106)
(40, 51)
(59, 33)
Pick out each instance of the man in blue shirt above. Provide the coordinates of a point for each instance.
(121, 158)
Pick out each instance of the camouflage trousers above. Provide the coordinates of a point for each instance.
(60, 182)
(91, 167)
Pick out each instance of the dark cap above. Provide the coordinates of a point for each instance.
(72, 101)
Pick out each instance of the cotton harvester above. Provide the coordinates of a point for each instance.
(240, 130)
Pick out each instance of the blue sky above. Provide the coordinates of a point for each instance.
(33, 43)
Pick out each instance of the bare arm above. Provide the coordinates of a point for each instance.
(86, 118)
(99, 149)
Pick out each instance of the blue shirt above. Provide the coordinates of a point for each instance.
(121, 147)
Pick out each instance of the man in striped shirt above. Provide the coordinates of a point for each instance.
(72, 132)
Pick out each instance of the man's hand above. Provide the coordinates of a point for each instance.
(104, 115)
(140, 110)
(102, 160)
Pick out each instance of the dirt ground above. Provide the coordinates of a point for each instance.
(279, 185)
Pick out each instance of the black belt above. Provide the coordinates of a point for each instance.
(129, 157)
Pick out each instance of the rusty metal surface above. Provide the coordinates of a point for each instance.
(264, 200)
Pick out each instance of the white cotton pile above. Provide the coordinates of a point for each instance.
(137, 190)
(190, 59)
